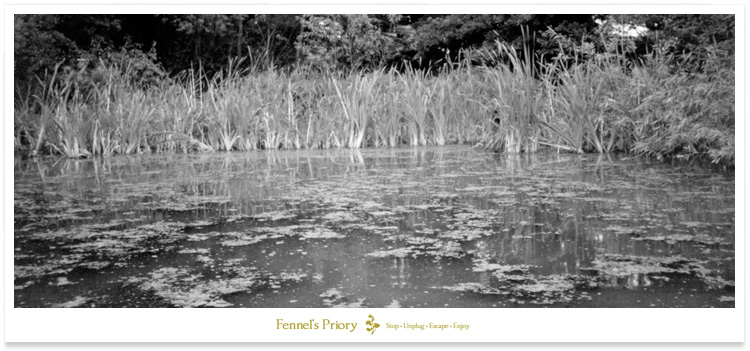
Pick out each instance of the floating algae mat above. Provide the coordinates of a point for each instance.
(417, 227)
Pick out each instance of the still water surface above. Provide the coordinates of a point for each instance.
(417, 227)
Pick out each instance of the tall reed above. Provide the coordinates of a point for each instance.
(516, 99)
(414, 101)
(386, 121)
(575, 112)
(359, 103)
(509, 104)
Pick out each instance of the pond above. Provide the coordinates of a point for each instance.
(409, 227)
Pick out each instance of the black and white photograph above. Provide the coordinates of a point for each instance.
(488, 161)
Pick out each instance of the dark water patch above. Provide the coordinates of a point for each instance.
(424, 227)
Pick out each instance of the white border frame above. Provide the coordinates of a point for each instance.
(487, 325)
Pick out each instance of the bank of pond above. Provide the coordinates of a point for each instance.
(602, 105)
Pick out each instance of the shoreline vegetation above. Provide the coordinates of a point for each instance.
(496, 98)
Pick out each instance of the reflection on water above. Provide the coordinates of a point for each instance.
(417, 227)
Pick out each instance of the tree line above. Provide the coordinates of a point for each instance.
(166, 44)
(660, 85)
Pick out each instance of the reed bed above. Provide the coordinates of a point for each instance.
(516, 100)
(515, 105)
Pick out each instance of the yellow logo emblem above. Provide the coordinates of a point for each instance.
(372, 325)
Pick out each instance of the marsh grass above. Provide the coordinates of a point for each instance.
(516, 98)
(513, 105)
(413, 103)
(386, 121)
(576, 115)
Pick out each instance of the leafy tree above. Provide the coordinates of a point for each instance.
(184, 41)
(207, 39)
(43, 41)
(350, 41)
(37, 45)
(696, 37)
(272, 37)
(441, 36)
